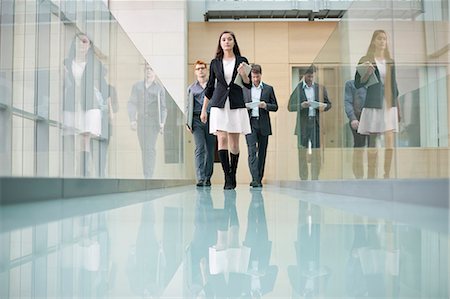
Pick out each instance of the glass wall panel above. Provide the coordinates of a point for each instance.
(408, 118)
(79, 100)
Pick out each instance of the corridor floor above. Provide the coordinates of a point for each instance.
(187, 242)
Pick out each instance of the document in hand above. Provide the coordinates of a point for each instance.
(252, 105)
(362, 69)
(316, 104)
(238, 79)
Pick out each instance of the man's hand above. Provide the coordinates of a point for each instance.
(188, 129)
(203, 117)
(262, 105)
(133, 125)
(305, 104)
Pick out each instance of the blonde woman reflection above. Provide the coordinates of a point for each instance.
(85, 89)
(380, 115)
(148, 112)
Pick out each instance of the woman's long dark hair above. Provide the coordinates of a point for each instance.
(73, 46)
(219, 51)
(372, 48)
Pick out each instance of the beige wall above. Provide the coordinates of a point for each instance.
(277, 47)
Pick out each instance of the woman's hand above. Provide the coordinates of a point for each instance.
(241, 70)
(369, 72)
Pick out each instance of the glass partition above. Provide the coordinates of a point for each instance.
(77, 99)
(416, 64)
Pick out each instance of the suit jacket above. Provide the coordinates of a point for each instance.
(375, 92)
(297, 97)
(354, 100)
(93, 79)
(148, 104)
(268, 96)
(190, 103)
(217, 89)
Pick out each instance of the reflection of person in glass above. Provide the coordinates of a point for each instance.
(309, 276)
(109, 108)
(380, 115)
(93, 251)
(84, 92)
(261, 276)
(309, 99)
(146, 262)
(205, 142)
(205, 235)
(228, 117)
(228, 259)
(147, 112)
(354, 101)
(372, 268)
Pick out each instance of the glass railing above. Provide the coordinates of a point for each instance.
(418, 148)
(77, 99)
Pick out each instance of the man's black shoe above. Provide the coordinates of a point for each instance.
(201, 183)
(207, 183)
(254, 184)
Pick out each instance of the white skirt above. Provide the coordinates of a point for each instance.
(84, 122)
(376, 121)
(229, 120)
(93, 122)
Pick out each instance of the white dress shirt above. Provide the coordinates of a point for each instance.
(310, 95)
(256, 97)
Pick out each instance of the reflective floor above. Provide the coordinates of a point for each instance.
(209, 243)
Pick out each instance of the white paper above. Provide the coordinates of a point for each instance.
(362, 70)
(252, 105)
(238, 79)
(315, 104)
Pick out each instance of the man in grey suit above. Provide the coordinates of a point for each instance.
(354, 102)
(260, 99)
(205, 142)
(147, 112)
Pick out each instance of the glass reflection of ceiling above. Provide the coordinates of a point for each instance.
(200, 243)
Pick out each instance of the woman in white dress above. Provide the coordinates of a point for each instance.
(228, 116)
(85, 91)
(380, 114)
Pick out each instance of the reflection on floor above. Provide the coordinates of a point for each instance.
(204, 243)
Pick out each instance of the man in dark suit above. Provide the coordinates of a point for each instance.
(309, 99)
(260, 99)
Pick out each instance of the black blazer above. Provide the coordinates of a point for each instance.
(268, 96)
(375, 92)
(93, 78)
(217, 90)
(297, 97)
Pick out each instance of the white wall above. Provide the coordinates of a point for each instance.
(158, 29)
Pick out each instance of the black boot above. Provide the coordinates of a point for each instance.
(233, 168)
(224, 159)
